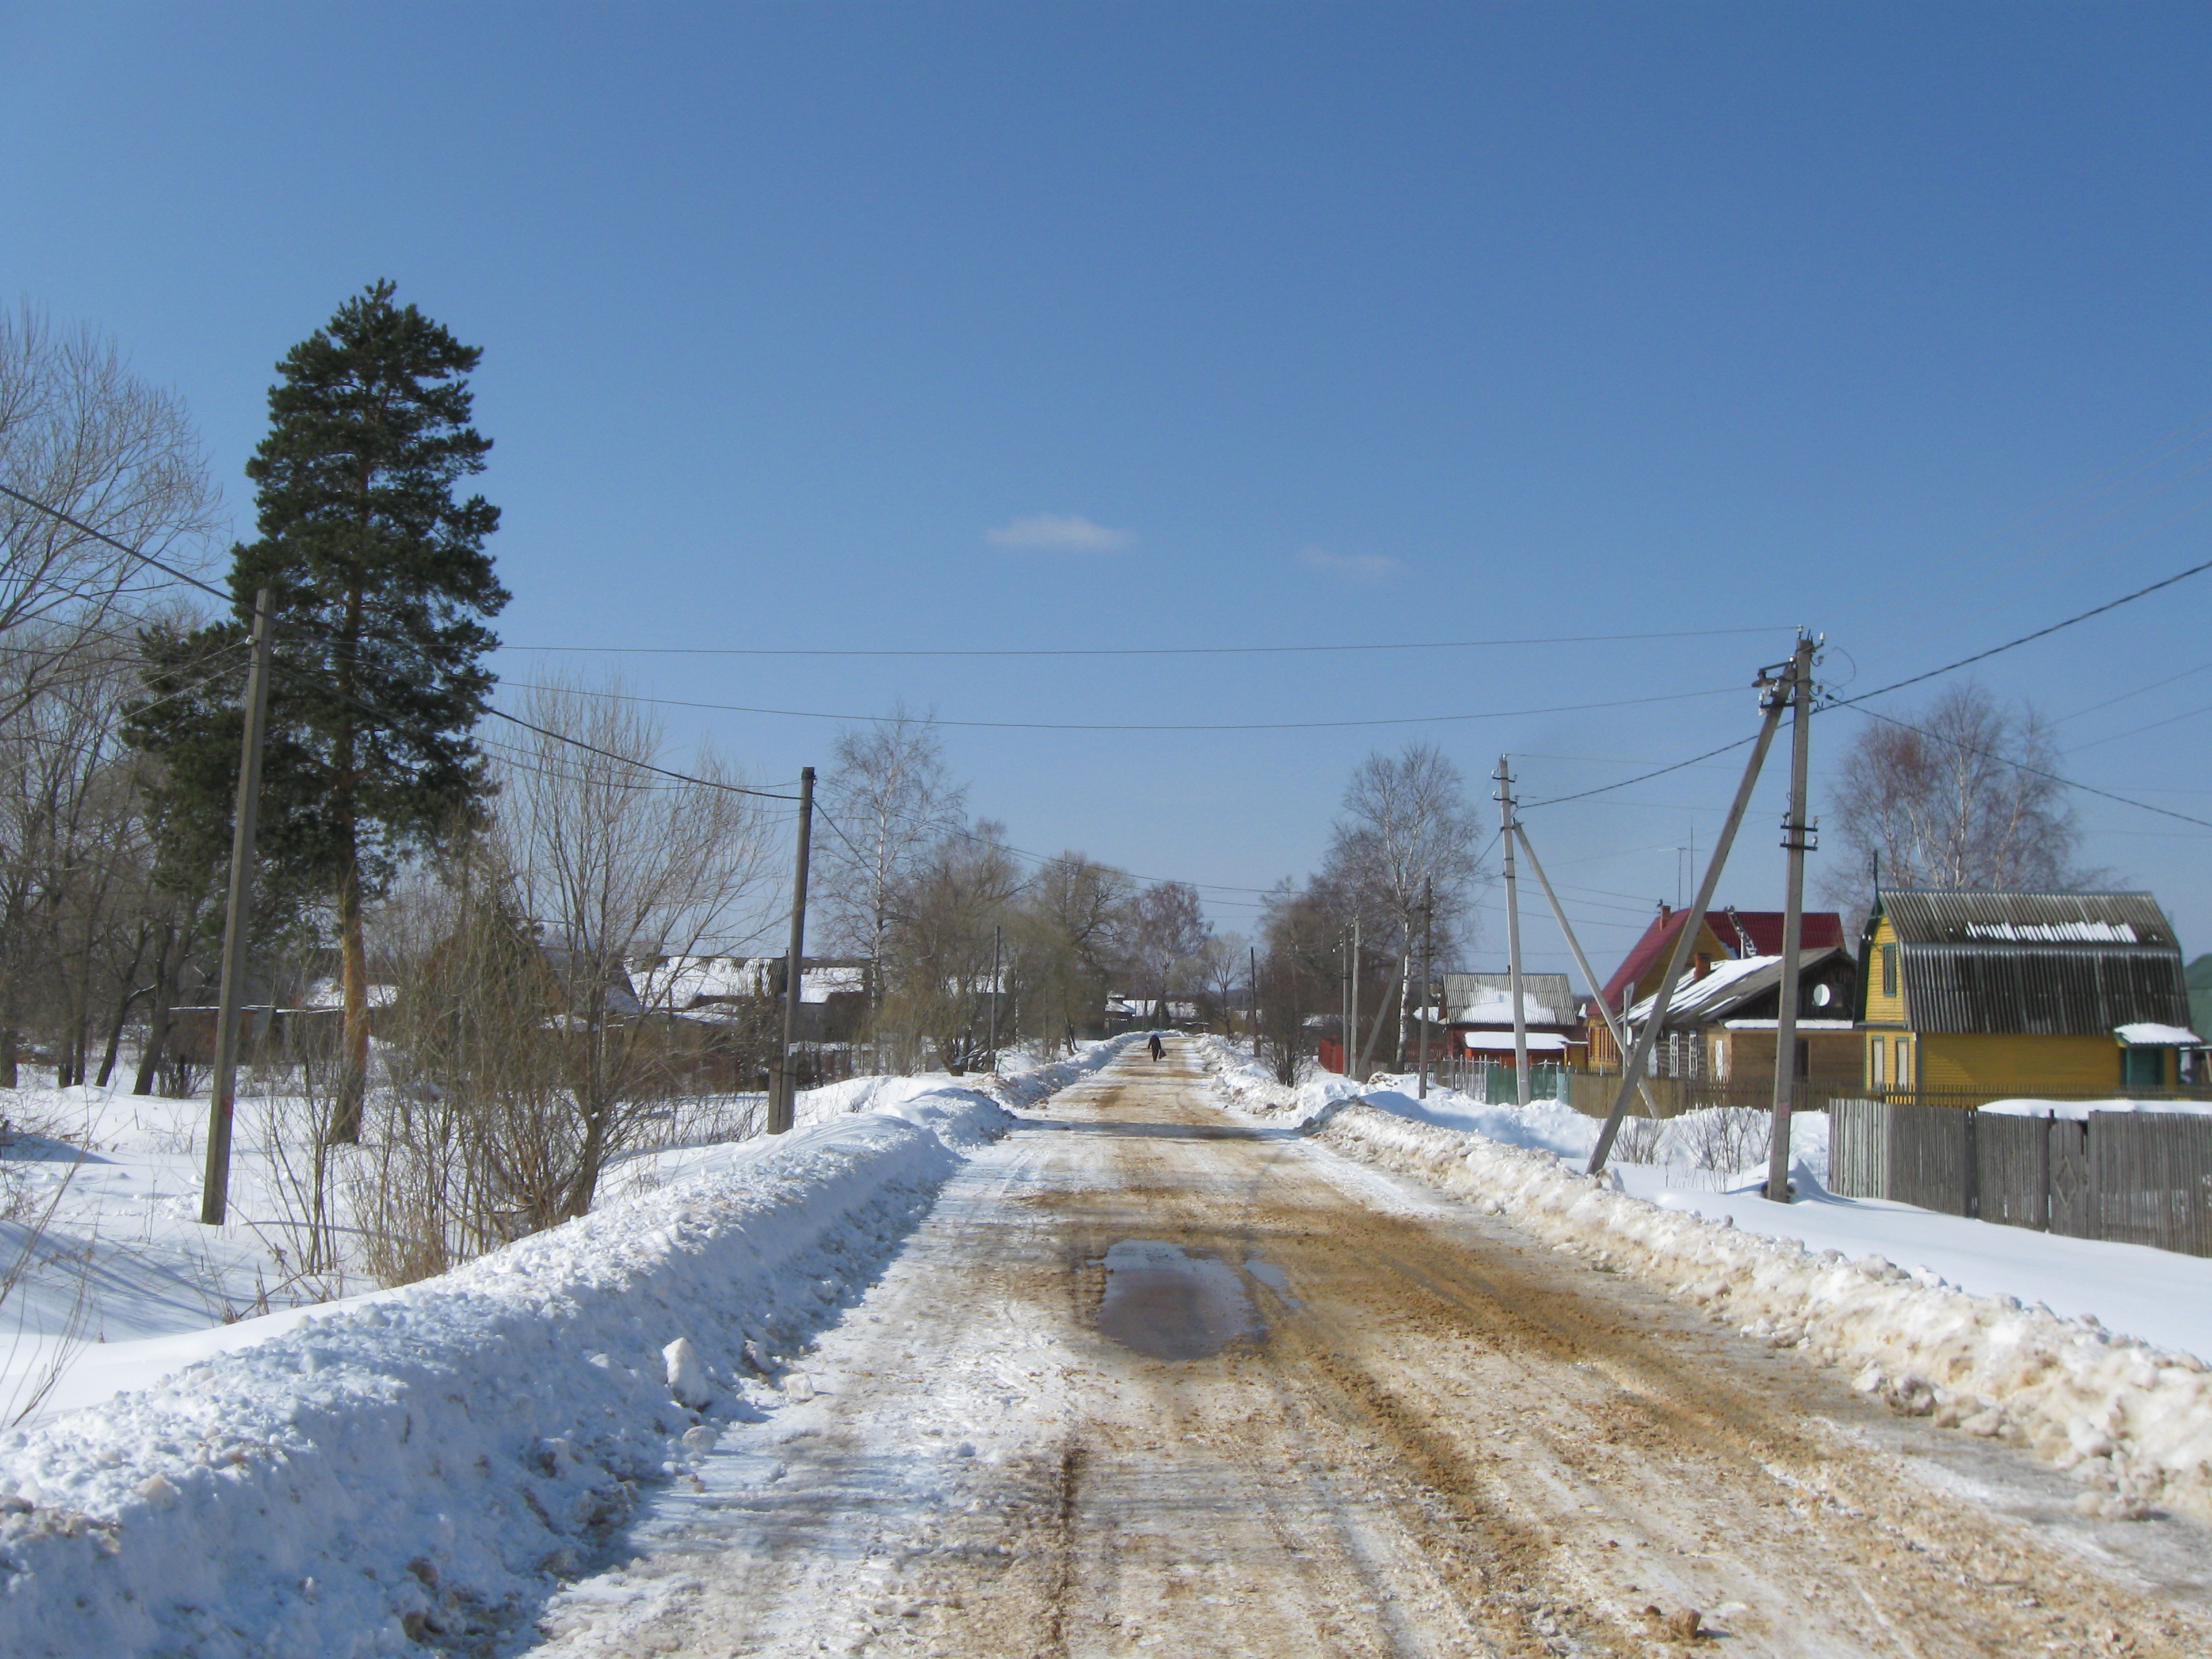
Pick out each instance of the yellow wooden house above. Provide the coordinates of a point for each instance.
(1967, 996)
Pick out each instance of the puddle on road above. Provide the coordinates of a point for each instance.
(1275, 1278)
(1170, 1305)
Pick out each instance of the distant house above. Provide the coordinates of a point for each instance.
(1721, 1028)
(1726, 935)
(833, 991)
(1124, 1013)
(1977, 994)
(1477, 1013)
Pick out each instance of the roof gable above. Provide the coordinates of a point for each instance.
(1759, 935)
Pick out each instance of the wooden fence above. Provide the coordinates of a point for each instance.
(2129, 1177)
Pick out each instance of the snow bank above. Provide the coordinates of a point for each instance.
(2133, 1423)
(2079, 1110)
(423, 1464)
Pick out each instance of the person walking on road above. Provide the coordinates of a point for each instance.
(1158, 1047)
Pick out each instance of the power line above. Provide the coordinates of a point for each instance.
(1932, 673)
(2023, 766)
(2025, 639)
(1048, 726)
(1123, 651)
(352, 700)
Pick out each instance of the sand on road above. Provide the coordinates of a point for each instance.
(1150, 1379)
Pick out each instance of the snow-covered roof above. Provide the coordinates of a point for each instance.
(685, 982)
(1490, 1042)
(2148, 1034)
(2054, 932)
(2079, 1110)
(1775, 1024)
(1490, 1007)
(330, 994)
(1692, 994)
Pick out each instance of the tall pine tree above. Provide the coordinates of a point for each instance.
(381, 586)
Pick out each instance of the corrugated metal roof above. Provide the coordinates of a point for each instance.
(2044, 990)
(1937, 916)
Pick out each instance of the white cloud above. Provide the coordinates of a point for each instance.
(1059, 532)
(1351, 567)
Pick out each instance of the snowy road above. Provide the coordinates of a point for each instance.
(1148, 1380)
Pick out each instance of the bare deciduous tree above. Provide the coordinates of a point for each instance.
(522, 1057)
(1946, 805)
(615, 864)
(938, 948)
(1067, 933)
(1408, 825)
(1166, 930)
(81, 434)
(889, 802)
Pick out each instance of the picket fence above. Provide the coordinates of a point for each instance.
(2129, 1177)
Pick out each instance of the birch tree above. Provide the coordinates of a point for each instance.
(1407, 827)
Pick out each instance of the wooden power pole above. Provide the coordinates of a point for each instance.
(996, 931)
(1797, 839)
(1428, 941)
(783, 1097)
(1513, 936)
(237, 922)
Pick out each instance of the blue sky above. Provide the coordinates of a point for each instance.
(1237, 325)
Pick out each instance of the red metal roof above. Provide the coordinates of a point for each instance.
(1760, 936)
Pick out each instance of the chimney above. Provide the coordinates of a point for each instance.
(1666, 912)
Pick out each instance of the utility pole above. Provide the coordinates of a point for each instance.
(1428, 941)
(1256, 1001)
(1513, 935)
(783, 1103)
(1351, 1032)
(237, 922)
(1797, 838)
(1632, 1070)
(996, 933)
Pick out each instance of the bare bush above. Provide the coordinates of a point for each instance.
(1721, 1139)
(1638, 1140)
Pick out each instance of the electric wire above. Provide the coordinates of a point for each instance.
(1124, 651)
(350, 698)
(1052, 725)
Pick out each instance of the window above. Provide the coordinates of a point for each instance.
(1904, 1064)
(1889, 970)
(1802, 1066)
(1874, 1064)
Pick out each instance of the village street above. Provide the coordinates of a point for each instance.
(1149, 1379)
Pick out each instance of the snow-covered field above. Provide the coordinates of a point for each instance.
(2086, 1351)
(351, 1476)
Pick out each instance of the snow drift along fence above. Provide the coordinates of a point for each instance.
(2129, 1178)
